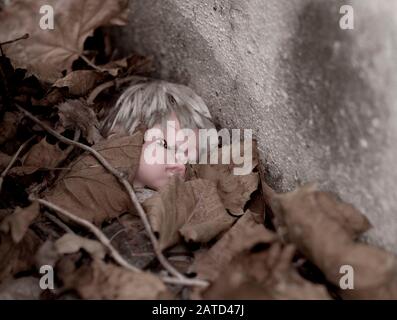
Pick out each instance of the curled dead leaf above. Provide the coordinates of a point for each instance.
(17, 223)
(71, 243)
(99, 280)
(192, 209)
(75, 114)
(9, 126)
(133, 64)
(245, 234)
(4, 160)
(17, 257)
(234, 190)
(80, 82)
(42, 155)
(89, 191)
(324, 230)
(25, 288)
(267, 274)
(48, 52)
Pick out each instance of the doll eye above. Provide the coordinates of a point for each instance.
(163, 143)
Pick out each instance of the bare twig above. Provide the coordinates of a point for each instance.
(13, 159)
(92, 65)
(181, 278)
(58, 222)
(25, 36)
(107, 243)
(92, 228)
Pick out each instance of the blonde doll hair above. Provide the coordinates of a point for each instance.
(151, 102)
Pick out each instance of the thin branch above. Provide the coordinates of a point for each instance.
(107, 243)
(92, 65)
(92, 228)
(13, 159)
(25, 36)
(58, 222)
(131, 194)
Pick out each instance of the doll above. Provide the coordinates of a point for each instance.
(154, 104)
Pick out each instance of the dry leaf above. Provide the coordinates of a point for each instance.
(71, 243)
(168, 210)
(18, 222)
(268, 274)
(132, 64)
(209, 217)
(234, 190)
(17, 257)
(192, 209)
(41, 156)
(237, 271)
(26, 288)
(80, 82)
(53, 97)
(75, 114)
(47, 52)
(9, 126)
(244, 235)
(324, 230)
(129, 237)
(100, 280)
(4, 160)
(89, 191)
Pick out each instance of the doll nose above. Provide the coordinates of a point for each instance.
(176, 168)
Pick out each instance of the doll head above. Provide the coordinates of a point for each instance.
(159, 105)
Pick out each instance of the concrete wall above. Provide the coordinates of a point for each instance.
(322, 101)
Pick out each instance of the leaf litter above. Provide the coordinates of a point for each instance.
(234, 232)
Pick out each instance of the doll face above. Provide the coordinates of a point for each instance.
(168, 161)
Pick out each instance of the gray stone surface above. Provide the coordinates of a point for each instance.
(322, 101)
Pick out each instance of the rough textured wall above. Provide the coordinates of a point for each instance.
(322, 101)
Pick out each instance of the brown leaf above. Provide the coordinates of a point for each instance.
(132, 64)
(237, 272)
(192, 209)
(17, 257)
(129, 237)
(324, 230)
(268, 274)
(26, 288)
(4, 160)
(53, 97)
(9, 126)
(71, 243)
(244, 235)
(48, 52)
(41, 156)
(18, 222)
(52, 251)
(75, 114)
(89, 191)
(234, 190)
(80, 82)
(100, 280)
